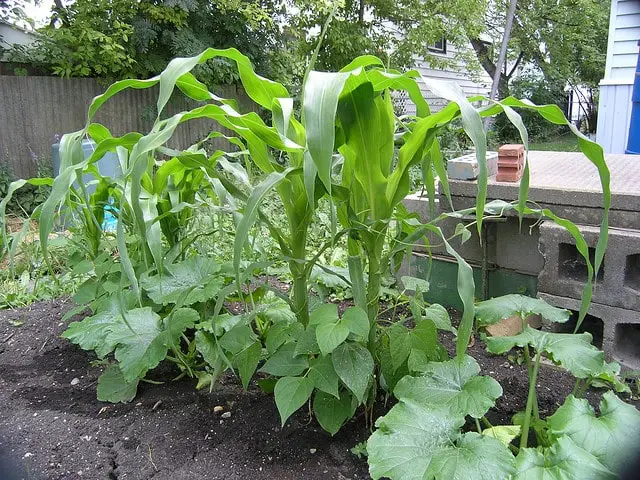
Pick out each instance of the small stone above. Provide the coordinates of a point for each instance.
(75, 381)
(27, 455)
(313, 450)
(218, 409)
(226, 415)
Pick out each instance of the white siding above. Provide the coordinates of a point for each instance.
(614, 116)
(614, 109)
(10, 35)
(479, 84)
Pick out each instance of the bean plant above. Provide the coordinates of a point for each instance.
(153, 298)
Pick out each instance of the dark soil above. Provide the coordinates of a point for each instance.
(52, 426)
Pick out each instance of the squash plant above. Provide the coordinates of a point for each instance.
(423, 437)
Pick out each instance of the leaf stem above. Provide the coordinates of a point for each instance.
(478, 427)
(530, 400)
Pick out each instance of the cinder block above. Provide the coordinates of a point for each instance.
(565, 272)
(466, 167)
(517, 248)
(621, 329)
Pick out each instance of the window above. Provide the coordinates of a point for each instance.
(439, 46)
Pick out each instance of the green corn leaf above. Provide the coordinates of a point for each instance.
(358, 286)
(125, 260)
(321, 93)
(564, 460)
(453, 385)
(13, 187)
(112, 387)
(354, 365)
(332, 412)
(466, 290)
(474, 129)
(251, 214)
(609, 437)
(290, 394)
(493, 310)
(71, 159)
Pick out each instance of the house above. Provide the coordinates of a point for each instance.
(11, 34)
(472, 83)
(614, 109)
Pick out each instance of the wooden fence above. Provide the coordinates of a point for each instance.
(36, 111)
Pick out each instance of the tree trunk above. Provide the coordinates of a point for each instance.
(497, 74)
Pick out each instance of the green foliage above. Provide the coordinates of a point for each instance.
(421, 436)
(154, 299)
(138, 38)
(540, 91)
(373, 27)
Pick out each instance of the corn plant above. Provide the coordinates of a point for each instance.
(347, 145)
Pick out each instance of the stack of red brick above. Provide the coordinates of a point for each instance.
(510, 163)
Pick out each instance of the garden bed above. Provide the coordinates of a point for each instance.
(53, 427)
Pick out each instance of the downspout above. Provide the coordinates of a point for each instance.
(633, 142)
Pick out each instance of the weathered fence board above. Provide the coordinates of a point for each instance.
(34, 111)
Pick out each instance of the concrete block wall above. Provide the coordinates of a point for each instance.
(620, 328)
(565, 273)
(616, 298)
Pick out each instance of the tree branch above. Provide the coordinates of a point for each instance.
(516, 65)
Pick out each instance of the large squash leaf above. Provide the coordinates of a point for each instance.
(414, 442)
(195, 277)
(493, 310)
(453, 385)
(609, 437)
(564, 460)
(112, 387)
(573, 351)
(142, 341)
(91, 333)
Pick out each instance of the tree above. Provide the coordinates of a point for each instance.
(398, 31)
(124, 38)
(565, 39)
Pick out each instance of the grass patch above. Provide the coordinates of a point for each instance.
(562, 143)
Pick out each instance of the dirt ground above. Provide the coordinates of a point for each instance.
(52, 426)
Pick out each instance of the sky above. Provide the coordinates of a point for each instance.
(40, 12)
